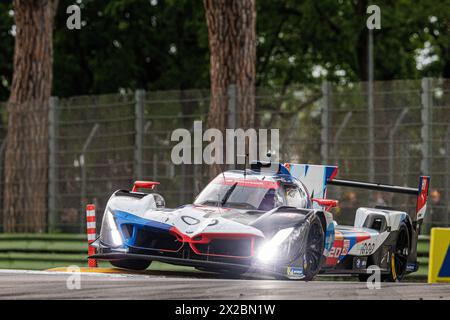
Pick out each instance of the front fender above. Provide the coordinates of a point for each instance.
(281, 218)
(326, 219)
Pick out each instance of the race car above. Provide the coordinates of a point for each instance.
(263, 220)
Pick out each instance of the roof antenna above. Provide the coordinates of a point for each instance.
(245, 165)
(219, 201)
(245, 155)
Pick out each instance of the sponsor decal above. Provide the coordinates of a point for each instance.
(295, 271)
(367, 248)
(359, 263)
(329, 236)
(336, 250)
(411, 267)
(346, 247)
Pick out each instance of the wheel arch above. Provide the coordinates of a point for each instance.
(323, 220)
(409, 227)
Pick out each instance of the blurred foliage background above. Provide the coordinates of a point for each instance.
(163, 44)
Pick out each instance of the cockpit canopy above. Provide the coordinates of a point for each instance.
(232, 189)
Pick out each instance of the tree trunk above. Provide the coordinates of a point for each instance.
(232, 45)
(26, 156)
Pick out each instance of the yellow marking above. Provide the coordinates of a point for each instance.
(394, 274)
(439, 244)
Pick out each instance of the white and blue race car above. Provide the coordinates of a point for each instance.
(257, 220)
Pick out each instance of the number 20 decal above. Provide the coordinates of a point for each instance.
(335, 252)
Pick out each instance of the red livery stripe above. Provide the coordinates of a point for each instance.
(253, 183)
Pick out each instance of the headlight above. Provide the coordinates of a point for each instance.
(109, 234)
(269, 250)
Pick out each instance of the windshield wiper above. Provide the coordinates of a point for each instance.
(228, 194)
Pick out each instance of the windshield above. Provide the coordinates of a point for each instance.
(241, 196)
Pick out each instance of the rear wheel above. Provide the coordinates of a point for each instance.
(131, 264)
(399, 257)
(315, 245)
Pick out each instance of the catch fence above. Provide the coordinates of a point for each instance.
(102, 143)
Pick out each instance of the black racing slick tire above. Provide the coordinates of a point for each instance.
(313, 255)
(398, 258)
(131, 264)
(399, 255)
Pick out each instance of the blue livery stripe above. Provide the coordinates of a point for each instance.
(125, 217)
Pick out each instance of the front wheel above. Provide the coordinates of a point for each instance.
(315, 245)
(131, 264)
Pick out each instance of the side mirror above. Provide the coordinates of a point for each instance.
(152, 201)
(328, 203)
(144, 185)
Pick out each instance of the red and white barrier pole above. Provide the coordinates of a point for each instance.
(91, 232)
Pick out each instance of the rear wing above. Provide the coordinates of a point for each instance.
(421, 192)
(316, 178)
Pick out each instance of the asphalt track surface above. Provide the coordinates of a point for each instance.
(16, 284)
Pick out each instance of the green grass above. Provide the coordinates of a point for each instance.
(423, 247)
(42, 236)
(53, 246)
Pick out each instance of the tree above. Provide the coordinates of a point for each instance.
(6, 50)
(232, 45)
(26, 157)
(160, 45)
(128, 44)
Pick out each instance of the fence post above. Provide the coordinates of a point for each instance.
(370, 109)
(52, 163)
(426, 117)
(338, 134)
(139, 133)
(325, 121)
(2, 171)
(426, 134)
(82, 161)
(392, 133)
(447, 176)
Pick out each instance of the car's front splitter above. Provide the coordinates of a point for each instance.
(278, 272)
